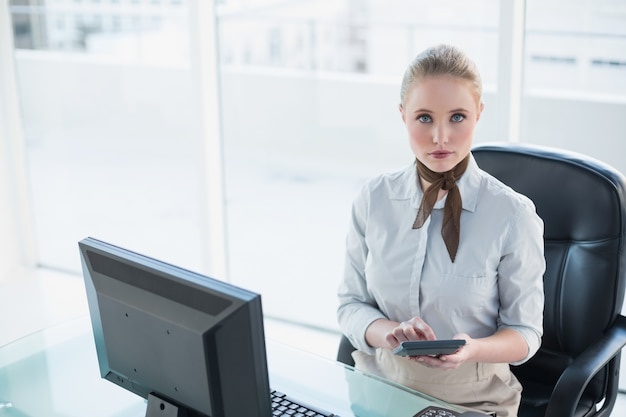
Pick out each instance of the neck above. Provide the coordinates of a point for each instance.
(425, 184)
(427, 176)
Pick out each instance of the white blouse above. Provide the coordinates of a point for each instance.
(394, 271)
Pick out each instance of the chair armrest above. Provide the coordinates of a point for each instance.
(574, 380)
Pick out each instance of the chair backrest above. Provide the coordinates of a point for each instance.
(581, 202)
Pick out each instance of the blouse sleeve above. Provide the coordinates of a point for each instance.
(357, 308)
(520, 278)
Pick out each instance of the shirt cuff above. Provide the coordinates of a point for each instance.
(533, 341)
(357, 327)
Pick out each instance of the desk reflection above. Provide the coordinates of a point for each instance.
(54, 373)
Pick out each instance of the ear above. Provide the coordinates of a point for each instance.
(401, 112)
(481, 107)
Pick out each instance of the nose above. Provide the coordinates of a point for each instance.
(440, 134)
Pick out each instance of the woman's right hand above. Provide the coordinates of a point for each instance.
(413, 329)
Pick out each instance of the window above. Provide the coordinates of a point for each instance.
(310, 94)
(111, 130)
(575, 77)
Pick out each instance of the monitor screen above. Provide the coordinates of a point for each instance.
(191, 345)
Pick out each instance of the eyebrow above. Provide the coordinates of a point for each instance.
(460, 109)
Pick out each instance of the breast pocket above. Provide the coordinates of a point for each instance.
(466, 295)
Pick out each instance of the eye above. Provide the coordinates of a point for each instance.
(424, 118)
(457, 117)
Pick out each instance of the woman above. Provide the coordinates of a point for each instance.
(442, 250)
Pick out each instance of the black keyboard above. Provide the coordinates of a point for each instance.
(284, 406)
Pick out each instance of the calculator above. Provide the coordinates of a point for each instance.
(433, 411)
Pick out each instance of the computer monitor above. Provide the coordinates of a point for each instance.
(191, 345)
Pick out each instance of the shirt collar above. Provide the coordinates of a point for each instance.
(406, 188)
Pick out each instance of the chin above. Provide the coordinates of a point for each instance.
(441, 165)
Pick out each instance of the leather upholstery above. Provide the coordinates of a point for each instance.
(583, 204)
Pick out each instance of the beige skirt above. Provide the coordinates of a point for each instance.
(488, 387)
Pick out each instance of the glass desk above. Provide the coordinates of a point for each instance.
(55, 373)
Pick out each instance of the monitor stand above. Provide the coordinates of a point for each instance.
(158, 407)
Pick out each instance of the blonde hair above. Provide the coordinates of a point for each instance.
(442, 60)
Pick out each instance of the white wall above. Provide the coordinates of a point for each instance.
(586, 125)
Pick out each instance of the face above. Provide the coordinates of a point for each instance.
(440, 114)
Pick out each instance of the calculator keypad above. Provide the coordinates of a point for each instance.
(433, 411)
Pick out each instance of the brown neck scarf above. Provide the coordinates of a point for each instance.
(451, 226)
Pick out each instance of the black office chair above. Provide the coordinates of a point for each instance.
(583, 205)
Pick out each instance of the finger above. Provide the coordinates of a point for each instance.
(399, 334)
(414, 334)
(391, 340)
(435, 362)
(420, 327)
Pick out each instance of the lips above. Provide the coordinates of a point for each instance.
(440, 154)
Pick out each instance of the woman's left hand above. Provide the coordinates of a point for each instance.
(451, 361)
